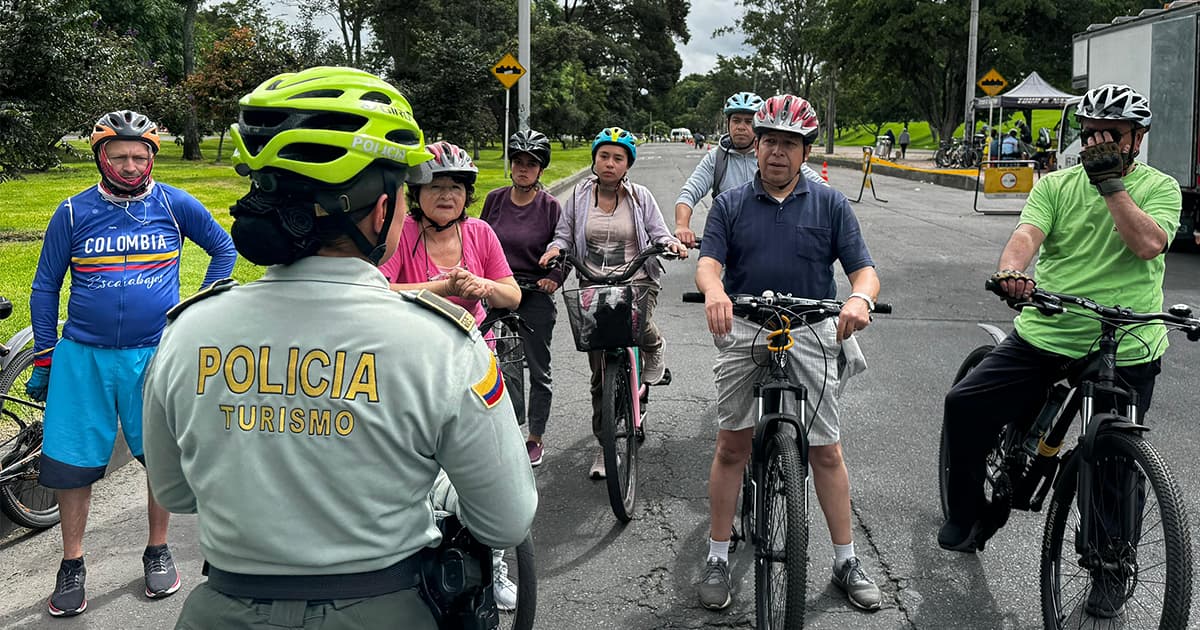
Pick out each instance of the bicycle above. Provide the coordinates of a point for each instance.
(506, 344)
(1111, 451)
(608, 316)
(775, 520)
(26, 502)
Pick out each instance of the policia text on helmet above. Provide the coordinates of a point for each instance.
(323, 147)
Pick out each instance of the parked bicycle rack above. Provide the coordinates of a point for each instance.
(866, 182)
(1004, 179)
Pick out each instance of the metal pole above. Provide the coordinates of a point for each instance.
(507, 94)
(972, 47)
(523, 57)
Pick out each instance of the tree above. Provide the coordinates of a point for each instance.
(60, 69)
(191, 130)
(786, 35)
(352, 17)
(233, 67)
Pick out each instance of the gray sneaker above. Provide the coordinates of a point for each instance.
(715, 591)
(859, 588)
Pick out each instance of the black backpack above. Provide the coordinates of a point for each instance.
(722, 164)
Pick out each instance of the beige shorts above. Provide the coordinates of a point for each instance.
(741, 362)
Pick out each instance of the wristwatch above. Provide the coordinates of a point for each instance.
(866, 298)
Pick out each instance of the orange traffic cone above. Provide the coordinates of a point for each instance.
(825, 171)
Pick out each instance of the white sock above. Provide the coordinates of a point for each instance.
(718, 550)
(842, 553)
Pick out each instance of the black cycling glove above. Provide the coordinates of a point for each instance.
(1104, 164)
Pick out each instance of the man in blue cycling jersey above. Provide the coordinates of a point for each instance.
(781, 232)
(121, 240)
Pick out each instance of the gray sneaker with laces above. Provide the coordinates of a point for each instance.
(715, 591)
(161, 577)
(859, 588)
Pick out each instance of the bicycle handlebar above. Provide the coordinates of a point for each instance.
(1050, 303)
(747, 305)
(631, 267)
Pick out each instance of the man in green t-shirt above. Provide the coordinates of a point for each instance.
(1100, 230)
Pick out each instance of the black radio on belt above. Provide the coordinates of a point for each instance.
(457, 580)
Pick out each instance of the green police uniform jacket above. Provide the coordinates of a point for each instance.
(304, 418)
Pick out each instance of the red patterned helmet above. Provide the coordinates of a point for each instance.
(785, 112)
(450, 159)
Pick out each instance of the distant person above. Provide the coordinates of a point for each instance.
(1010, 147)
(891, 137)
(728, 165)
(1026, 134)
(121, 240)
(904, 140)
(994, 146)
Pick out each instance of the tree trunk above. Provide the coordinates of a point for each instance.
(191, 130)
(220, 144)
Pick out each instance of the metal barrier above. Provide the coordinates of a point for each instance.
(866, 182)
(1004, 179)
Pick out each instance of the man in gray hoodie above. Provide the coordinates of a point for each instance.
(728, 165)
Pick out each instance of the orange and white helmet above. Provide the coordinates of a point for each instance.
(786, 112)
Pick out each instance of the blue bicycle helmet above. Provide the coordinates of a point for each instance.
(619, 137)
(743, 102)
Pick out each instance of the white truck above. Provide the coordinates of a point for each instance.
(1155, 53)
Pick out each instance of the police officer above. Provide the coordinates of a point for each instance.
(304, 416)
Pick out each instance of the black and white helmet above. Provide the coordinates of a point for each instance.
(534, 143)
(1115, 102)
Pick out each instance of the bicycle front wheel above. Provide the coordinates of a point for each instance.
(1135, 571)
(25, 501)
(522, 558)
(617, 436)
(781, 554)
(968, 364)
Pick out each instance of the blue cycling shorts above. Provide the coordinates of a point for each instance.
(90, 389)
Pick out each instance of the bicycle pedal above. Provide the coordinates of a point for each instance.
(640, 433)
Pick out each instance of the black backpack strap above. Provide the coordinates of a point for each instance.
(722, 163)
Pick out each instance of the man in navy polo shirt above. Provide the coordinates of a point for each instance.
(781, 233)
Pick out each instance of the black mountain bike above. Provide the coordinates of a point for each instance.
(26, 502)
(773, 513)
(1134, 543)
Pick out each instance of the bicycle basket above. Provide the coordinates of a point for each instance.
(505, 342)
(605, 317)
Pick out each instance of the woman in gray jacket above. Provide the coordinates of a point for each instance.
(606, 221)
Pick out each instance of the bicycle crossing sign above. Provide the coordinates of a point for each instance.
(992, 83)
(508, 70)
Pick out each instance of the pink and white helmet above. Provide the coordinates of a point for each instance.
(449, 159)
(786, 112)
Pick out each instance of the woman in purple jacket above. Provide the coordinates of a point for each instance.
(524, 217)
(606, 221)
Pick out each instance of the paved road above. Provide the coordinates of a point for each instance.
(933, 254)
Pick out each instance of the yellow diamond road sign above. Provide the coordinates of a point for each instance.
(508, 70)
(992, 83)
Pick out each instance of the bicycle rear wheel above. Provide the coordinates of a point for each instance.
(521, 557)
(781, 552)
(1139, 561)
(26, 502)
(617, 436)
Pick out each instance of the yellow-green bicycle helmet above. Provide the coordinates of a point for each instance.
(327, 123)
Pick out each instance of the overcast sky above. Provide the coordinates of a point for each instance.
(700, 54)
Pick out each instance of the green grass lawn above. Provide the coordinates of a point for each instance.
(28, 204)
(922, 139)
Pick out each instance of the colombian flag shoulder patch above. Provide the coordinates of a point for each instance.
(491, 388)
